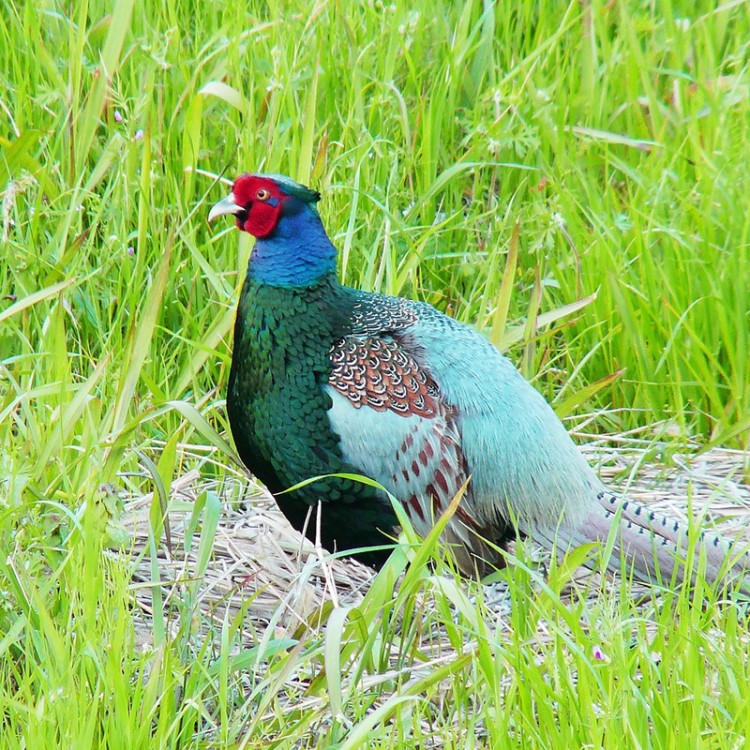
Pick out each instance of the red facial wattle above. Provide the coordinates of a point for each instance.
(262, 218)
(262, 202)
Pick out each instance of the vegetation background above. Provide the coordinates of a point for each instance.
(616, 134)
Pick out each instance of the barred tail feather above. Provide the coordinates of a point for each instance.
(655, 545)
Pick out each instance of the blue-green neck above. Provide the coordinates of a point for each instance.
(297, 254)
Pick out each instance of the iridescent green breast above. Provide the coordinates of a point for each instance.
(276, 406)
(278, 409)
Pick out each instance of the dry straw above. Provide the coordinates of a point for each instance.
(261, 563)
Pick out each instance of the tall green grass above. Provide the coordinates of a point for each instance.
(614, 134)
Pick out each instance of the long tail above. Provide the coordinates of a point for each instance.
(654, 545)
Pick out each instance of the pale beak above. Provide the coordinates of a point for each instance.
(222, 208)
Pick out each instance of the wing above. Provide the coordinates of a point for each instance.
(525, 469)
(396, 427)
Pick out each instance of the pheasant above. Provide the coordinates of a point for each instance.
(328, 380)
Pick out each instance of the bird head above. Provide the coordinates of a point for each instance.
(259, 201)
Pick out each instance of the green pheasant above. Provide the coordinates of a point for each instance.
(327, 380)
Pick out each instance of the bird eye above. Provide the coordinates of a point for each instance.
(263, 194)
